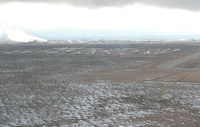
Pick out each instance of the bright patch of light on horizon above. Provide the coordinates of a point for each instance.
(40, 16)
(19, 36)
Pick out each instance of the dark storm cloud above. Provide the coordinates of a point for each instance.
(182, 4)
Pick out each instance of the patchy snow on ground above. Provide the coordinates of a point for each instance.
(96, 104)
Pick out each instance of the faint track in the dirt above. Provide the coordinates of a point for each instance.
(157, 78)
(173, 63)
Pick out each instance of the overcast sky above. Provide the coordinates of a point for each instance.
(167, 16)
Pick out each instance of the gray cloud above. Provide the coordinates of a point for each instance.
(181, 4)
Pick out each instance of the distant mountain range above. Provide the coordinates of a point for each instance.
(16, 35)
(141, 34)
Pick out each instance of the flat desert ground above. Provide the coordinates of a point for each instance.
(100, 85)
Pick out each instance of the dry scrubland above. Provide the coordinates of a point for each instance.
(101, 85)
